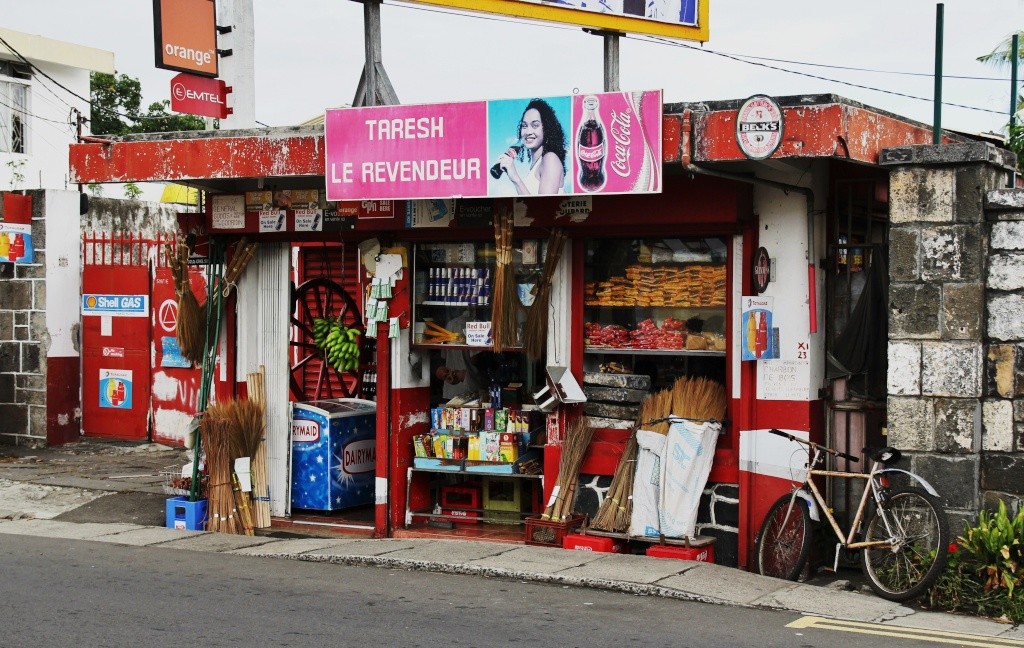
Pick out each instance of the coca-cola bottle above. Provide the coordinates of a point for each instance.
(591, 147)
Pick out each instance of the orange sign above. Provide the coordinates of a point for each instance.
(185, 33)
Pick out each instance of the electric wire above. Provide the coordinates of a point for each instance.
(75, 94)
(743, 59)
(808, 74)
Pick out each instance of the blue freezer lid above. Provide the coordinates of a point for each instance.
(338, 407)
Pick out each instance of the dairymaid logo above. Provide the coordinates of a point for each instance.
(359, 457)
(181, 93)
(305, 431)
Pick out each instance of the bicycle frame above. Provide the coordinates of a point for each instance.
(870, 489)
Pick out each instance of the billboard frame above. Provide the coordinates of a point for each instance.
(583, 18)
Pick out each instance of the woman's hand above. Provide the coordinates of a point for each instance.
(508, 165)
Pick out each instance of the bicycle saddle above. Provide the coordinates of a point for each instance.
(887, 456)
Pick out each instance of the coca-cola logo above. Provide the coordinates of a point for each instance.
(621, 124)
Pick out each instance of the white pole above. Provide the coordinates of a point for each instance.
(238, 70)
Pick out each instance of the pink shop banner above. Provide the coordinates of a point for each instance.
(396, 152)
(584, 144)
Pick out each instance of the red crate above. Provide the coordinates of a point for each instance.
(458, 501)
(550, 533)
(580, 542)
(698, 554)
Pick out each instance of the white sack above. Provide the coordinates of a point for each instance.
(644, 518)
(685, 466)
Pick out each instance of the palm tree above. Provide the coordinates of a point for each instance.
(1002, 57)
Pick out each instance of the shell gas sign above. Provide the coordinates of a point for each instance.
(185, 34)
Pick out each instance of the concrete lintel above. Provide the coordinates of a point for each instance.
(960, 153)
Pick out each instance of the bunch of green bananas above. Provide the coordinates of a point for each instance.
(339, 343)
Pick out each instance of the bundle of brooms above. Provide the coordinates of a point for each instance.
(699, 399)
(535, 335)
(230, 429)
(504, 316)
(191, 321)
(260, 487)
(563, 496)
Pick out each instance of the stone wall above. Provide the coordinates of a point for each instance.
(39, 350)
(943, 411)
(23, 341)
(1002, 446)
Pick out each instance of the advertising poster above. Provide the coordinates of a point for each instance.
(16, 229)
(116, 388)
(429, 213)
(758, 340)
(607, 143)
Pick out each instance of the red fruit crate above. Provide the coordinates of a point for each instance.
(551, 533)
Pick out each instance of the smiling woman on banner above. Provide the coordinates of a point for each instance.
(542, 147)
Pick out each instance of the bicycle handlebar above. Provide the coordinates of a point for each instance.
(812, 444)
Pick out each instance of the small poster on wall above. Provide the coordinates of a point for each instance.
(116, 388)
(758, 339)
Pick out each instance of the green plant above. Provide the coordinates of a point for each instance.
(95, 188)
(985, 568)
(994, 549)
(132, 191)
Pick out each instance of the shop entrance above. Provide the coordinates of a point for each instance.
(116, 338)
(856, 329)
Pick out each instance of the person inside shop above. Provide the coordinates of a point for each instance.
(542, 149)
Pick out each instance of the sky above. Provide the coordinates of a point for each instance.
(309, 54)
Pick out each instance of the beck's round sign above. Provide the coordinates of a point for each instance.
(759, 127)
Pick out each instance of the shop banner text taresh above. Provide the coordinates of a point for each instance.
(607, 143)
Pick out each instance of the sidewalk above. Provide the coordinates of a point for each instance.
(113, 492)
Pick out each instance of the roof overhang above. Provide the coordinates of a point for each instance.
(816, 126)
(39, 49)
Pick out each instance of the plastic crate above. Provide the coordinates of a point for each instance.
(697, 554)
(183, 514)
(601, 544)
(551, 533)
(459, 501)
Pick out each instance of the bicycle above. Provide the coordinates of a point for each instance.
(904, 544)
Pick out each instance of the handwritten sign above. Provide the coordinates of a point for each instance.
(227, 212)
(784, 380)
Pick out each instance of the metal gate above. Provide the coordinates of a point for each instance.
(116, 336)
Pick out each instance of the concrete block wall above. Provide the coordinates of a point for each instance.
(950, 329)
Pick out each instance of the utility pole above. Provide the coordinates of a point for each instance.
(236, 47)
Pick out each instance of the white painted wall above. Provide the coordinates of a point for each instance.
(783, 232)
(63, 274)
(50, 130)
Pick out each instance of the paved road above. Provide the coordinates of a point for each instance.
(60, 592)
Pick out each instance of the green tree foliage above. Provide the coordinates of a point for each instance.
(116, 109)
(1001, 57)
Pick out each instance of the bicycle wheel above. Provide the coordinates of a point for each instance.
(784, 541)
(915, 530)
